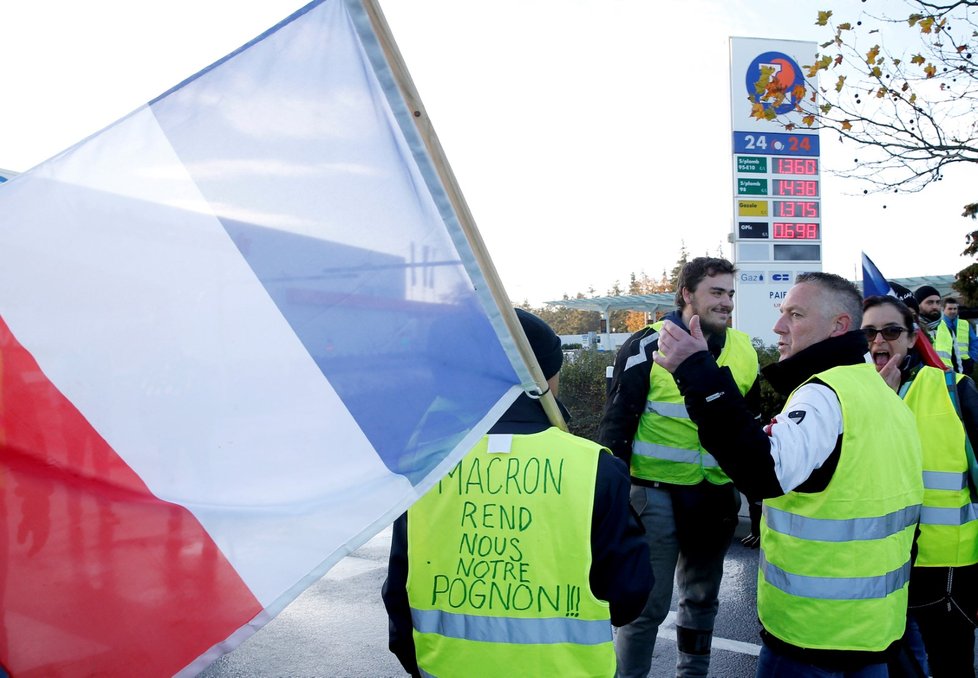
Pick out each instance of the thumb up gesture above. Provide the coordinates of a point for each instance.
(675, 344)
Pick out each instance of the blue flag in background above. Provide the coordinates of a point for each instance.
(873, 281)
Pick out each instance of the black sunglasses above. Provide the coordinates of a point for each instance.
(889, 333)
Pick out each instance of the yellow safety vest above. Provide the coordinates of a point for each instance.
(948, 520)
(666, 447)
(835, 564)
(499, 558)
(944, 343)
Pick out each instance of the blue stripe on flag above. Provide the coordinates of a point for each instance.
(304, 162)
(415, 375)
(873, 281)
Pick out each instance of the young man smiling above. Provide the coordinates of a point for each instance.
(687, 504)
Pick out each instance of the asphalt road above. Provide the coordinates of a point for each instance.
(338, 627)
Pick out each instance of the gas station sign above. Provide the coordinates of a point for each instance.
(777, 228)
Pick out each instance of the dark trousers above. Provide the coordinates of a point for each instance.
(944, 602)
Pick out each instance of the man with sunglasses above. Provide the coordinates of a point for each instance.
(944, 578)
(840, 473)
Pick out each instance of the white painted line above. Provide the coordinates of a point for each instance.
(668, 630)
(351, 566)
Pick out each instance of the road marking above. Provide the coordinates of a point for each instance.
(351, 566)
(668, 630)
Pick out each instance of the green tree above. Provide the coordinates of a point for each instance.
(683, 260)
(643, 284)
(583, 390)
(565, 320)
(771, 400)
(966, 280)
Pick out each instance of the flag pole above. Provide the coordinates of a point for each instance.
(467, 222)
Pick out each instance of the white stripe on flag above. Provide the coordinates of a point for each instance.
(198, 365)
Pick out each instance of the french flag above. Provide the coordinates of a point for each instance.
(241, 330)
(875, 284)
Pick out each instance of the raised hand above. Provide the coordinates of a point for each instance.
(675, 345)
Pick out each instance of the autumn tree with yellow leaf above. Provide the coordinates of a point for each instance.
(904, 85)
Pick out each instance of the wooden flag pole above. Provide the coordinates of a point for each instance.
(437, 154)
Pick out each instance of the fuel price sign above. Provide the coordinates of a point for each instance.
(777, 225)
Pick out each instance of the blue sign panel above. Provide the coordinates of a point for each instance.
(776, 143)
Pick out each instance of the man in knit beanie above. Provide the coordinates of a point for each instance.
(929, 306)
(531, 510)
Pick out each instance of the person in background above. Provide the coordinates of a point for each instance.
(928, 300)
(522, 558)
(944, 579)
(955, 339)
(687, 503)
(840, 473)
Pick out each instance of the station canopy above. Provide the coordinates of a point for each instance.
(666, 301)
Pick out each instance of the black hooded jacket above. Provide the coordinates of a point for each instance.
(620, 571)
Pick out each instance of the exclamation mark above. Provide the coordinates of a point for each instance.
(573, 601)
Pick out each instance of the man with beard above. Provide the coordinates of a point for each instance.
(686, 502)
(928, 308)
(953, 339)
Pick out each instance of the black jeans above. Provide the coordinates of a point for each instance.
(944, 601)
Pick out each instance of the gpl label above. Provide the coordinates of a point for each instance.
(751, 276)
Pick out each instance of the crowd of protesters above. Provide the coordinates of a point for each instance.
(865, 482)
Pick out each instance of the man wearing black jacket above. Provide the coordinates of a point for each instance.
(467, 623)
(839, 470)
(686, 503)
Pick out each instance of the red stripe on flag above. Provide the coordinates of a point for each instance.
(97, 576)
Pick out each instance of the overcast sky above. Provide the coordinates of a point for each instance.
(591, 138)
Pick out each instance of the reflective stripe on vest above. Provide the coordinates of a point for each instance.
(945, 343)
(835, 588)
(674, 410)
(835, 564)
(941, 480)
(948, 524)
(512, 630)
(666, 446)
(677, 454)
(853, 529)
(933, 515)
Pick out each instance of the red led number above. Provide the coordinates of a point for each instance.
(803, 188)
(784, 230)
(796, 209)
(805, 166)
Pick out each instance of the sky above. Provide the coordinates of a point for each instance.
(590, 138)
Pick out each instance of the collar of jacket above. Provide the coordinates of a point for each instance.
(715, 342)
(846, 349)
(911, 365)
(526, 416)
